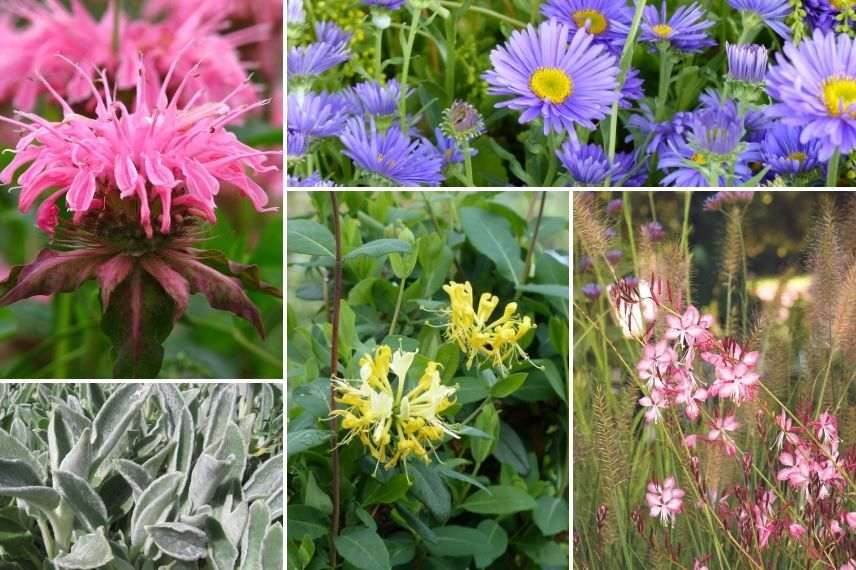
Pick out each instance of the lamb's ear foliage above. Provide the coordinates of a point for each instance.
(121, 478)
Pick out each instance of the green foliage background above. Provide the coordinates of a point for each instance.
(498, 498)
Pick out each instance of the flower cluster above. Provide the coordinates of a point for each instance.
(665, 501)
(470, 329)
(392, 424)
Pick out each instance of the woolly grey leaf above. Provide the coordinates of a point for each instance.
(207, 475)
(114, 417)
(89, 552)
(153, 505)
(254, 535)
(85, 502)
(12, 448)
(266, 480)
(180, 541)
(79, 459)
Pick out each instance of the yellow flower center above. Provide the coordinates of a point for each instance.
(698, 158)
(551, 84)
(597, 22)
(839, 94)
(842, 5)
(797, 155)
(662, 30)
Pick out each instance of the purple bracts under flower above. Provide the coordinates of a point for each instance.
(592, 291)
(613, 256)
(653, 231)
(565, 80)
(585, 263)
(613, 207)
(747, 62)
(814, 86)
(772, 12)
(728, 198)
(392, 154)
(685, 31)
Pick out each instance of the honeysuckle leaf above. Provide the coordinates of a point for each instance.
(310, 238)
(379, 248)
(134, 321)
(495, 538)
(363, 548)
(88, 552)
(429, 488)
(491, 235)
(499, 500)
(179, 541)
(52, 272)
(551, 515)
(457, 540)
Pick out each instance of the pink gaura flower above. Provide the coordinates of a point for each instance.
(849, 565)
(49, 32)
(720, 429)
(737, 383)
(654, 403)
(787, 433)
(689, 328)
(655, 363)
(796, 530)
(827, 427)
(850, 518)
(665, 501)
(158, 161)
(797, 469)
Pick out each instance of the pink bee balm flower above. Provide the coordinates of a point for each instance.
(689, 328)
(719, 431)
(665, 501)
(163, 162)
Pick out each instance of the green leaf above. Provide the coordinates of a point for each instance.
(458, 541)
(401, 548)
(510, 449)
(363, 548)
(44, 498)
(452, 474)
(385, 493)
(508, 385)
(429, 488)
(300, 441)
(499, 500)
(88, 552)
(315, 497)
(551, 515)
(310, 238)
(553, 376)
(496, 538)
(347, 330)
(488, 422)
(379, 248)
(306, 521)
(561, 291)
(491, 235)
(448, 355)
(415, 522)
(180, 541)
(85, 502)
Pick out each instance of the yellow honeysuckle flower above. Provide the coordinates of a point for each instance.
(394, 426)
(469, 328)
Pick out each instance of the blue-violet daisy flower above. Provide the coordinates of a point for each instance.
(785, 154)
(747, 62)
(772, 12)
(685, 31)
(607, 20)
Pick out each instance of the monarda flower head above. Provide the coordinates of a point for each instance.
(498, 342)
(137, 185)
(392, 424)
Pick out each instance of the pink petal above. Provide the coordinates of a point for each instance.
(81, 192)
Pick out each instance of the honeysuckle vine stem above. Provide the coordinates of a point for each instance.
(405, 66)
(832, 169)
(487, 12)
(527, 266)
(624, 67)
(397, 307)
(334, 360)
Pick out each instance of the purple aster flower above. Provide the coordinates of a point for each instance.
(589, 165)
(565, 82)
(448, 148)
(586, 263)
(609, 233)
(632, 89)
(613, 256)
(727, 198)
(372, 98)
(653, 231)
(660, 135)
(607, 20)
(613, 207)
(295, 16)
(815, 86)
(820, 15)
(313, 180)
(392, 155)
(685, 31)
(785, 154)
(315, 114)
(772, 12)
(747, 63)
(592, 291)
(295, 145)
(388, 4)
(315, 59)
(330, 33)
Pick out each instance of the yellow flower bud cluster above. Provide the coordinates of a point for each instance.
(394, 425)
(498, 341)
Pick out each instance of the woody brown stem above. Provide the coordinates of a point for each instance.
(334, 359)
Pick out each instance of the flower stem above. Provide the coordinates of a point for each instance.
(553, 162)
(468, 165)
(626, 60)
(487, 12)
(118, 6)
(378, 48)
(527, 266)
(832, 168)
(685, 241)
(334, 360)
(63, 321)
(666, 64)
(397, 307)
(405, 66)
